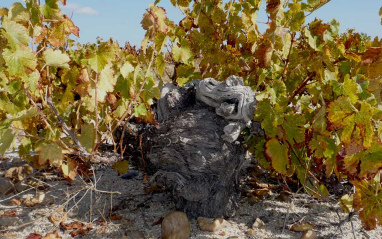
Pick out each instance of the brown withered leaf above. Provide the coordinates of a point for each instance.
(80, 232)
(264, 53)
(115, 217)
(17, 174)
(371, 55)
(58, 216)
(15, 202)
(34, 236)
(10, 213)
(301, 227)
(72, 225)
(52, 235)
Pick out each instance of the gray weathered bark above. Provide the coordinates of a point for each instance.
(195, 151)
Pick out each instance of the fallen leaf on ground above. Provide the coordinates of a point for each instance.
(34, 236)
(301, 227)
(81, 232)
(52, 235)
(72, 225)
(15, 202)
(115, 217)
(10, 213)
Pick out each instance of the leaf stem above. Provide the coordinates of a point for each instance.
(288, 57)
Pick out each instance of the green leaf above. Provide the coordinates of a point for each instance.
(126, 69)
(87, 136)
(294, 128)
(51, 153)
(270, 116)
(56, 58)
(121, 166)
(278, 154)
(160, 40)
(15, 33)
(31, 81)
(182, 53)
(140, 110)
(150, 91)
(105, 84)
(368, 200)
(341, 114)
(103, 55)
(363, 120)
(346, 202)
(18, 13)
(20, 61)
(160, 64)
(6, 139)
(51, 10)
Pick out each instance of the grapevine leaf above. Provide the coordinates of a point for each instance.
(121, 166)
(342, 114)
(105, 84)
(346, 202)
(154, 19)
(160, 40)
(69, 169)
(103, 55)
(270, 116)
(20, 61)
(363, 120)
(31, 81)
(182, 53)
(18, 13)
(140, 110)
(6, 139)
(51, 10)
(368, 200)
(160, 64)
(51, 153)
(56, 58)
(126, 69)
(87, 136)
(294, 128)
(15, 33)
(150, 91)
(278, 154)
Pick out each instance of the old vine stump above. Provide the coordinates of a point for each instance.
(195, 150)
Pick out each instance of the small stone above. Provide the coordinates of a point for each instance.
(206, 225)
(250, 232)
(6, 221)
(6, 186)
(176, 225)
(134, 235)
(309, 235)
(258, 224)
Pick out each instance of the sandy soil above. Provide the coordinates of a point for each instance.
(136, 210)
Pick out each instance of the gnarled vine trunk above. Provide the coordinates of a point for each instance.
(195, 149)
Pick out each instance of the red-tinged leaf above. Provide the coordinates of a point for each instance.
(371, 55)
(34, 236)
(63, 2)
(278, 154)
(154, 19)
(115, 217)
(52, 235)
(72, 225)
(368, 201)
